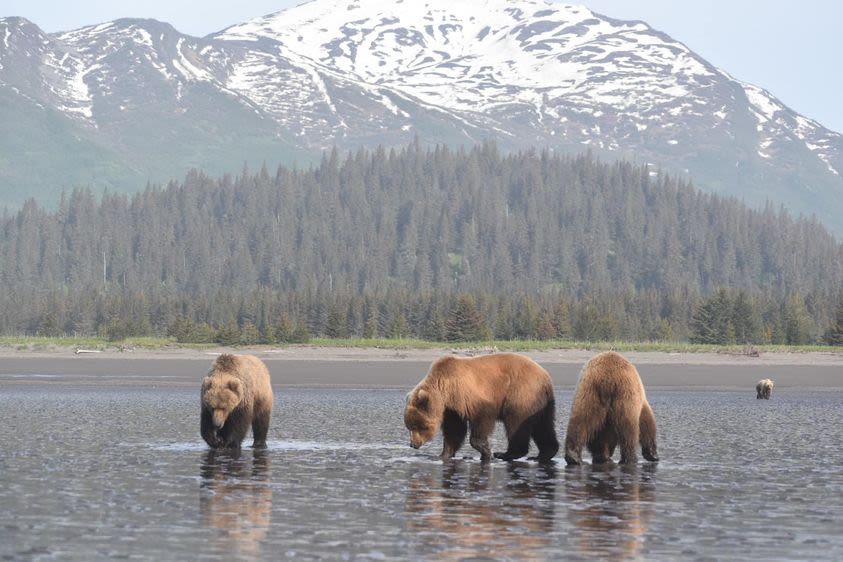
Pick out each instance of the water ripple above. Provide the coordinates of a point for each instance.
(114, 472)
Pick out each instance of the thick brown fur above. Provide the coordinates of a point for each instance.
(236, 395)
(463, 395)
(764, 389)
(610, 409)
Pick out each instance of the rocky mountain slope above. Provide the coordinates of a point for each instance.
(128, 101)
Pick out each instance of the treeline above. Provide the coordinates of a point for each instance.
(431, 243)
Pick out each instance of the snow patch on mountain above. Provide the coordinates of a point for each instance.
(776, 121)
(351, 72)
(477, 56)
(187, 68)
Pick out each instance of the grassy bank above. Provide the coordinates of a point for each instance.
(548, 345)
(31, 343)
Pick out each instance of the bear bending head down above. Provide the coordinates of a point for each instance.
(236, 394)
(610, 409)
(764, 389)
(471, 394)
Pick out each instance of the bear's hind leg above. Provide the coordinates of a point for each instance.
(518, 437)
(544, 433)
(627, 428)
(481, 429)
(587, 418)
(647, 436)
(454, 430)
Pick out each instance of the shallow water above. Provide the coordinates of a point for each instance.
(122, 472)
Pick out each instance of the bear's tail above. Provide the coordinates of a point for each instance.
(544, 431)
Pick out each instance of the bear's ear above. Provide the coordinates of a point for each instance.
(422, 399)
(235, 386)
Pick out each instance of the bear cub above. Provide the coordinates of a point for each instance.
(764, 389)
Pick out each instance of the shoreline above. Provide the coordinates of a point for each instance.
(377, 354)
(305, 366)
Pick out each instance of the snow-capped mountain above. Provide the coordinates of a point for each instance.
(153, 101)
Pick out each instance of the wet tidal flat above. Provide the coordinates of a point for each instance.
(109, 471)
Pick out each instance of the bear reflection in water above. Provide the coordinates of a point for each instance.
(610, 506)
(236, 499)
(461, 511)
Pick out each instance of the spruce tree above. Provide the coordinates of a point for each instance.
(834, 336)
(464, 321)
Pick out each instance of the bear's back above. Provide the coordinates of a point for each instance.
(247, 368)
(612, 373)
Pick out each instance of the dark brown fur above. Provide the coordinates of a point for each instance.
(236, 395)
(468, 395)
(610, 409)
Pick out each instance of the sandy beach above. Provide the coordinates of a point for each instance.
(376, 367)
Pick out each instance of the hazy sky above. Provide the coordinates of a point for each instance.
(793, 49)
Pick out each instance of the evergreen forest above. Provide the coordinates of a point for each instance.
(427, 242)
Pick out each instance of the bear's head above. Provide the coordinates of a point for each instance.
(422, 416)
(221, 394)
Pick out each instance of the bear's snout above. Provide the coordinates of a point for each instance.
(416, 440)
(219, 418)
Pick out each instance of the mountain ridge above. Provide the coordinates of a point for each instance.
(352, 73)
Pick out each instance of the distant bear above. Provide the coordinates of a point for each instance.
(610, 409)
(236, 394)
(764, 389)
(459, 394)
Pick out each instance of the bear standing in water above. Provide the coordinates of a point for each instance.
(610, 409)
(236, 394)
(764, 389)
(471, 394)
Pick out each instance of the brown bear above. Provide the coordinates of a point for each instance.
(610, 409)
(461, 394)
(236, 394)
(764, 389)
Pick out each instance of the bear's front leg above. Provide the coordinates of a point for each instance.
(454, 429)
(208, 431)
(260, 427)
(480, 432)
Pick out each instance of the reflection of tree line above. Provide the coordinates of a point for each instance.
(236, 498)
(609, 508)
